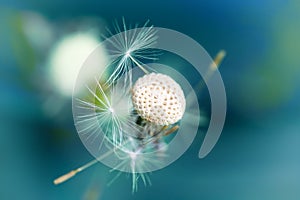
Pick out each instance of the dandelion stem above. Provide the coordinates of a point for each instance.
(138, 64)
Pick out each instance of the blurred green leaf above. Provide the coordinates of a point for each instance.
(24, 52)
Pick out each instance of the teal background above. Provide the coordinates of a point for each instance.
(257, 156)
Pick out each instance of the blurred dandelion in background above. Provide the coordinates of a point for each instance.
(67, 57)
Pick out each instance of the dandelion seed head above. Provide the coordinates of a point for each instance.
(158, 99)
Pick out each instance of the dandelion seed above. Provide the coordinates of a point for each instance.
(113, 112)
(128, 49)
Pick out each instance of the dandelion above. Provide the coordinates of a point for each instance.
(125, 118)
(130, 135)
(112, 114)
(116, 121)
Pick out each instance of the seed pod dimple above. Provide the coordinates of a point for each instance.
(158, 98)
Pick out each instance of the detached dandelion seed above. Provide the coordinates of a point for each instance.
(130, 49)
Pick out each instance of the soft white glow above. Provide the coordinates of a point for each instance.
(111, 110)
(68, 56)
(133, 155)
(127, 53)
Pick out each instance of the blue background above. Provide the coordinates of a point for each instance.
(257, 156)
